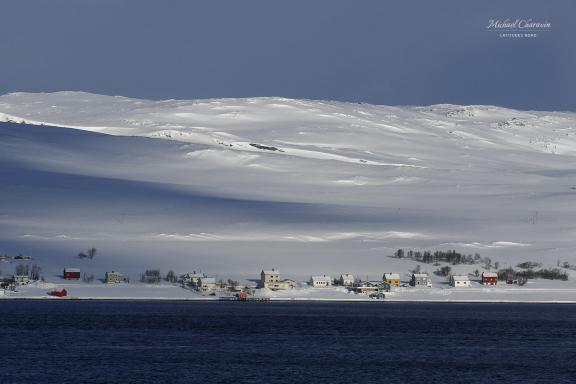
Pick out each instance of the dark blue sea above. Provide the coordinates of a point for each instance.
(233, 342)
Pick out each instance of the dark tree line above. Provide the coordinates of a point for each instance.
(151, 276)
(22, 270)
(33, 272)
(546, 273)
(449, 256)
(171, 277)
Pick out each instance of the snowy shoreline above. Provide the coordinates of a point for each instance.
(537, 291)
(297, 299)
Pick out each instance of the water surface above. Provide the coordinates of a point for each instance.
(224, 342)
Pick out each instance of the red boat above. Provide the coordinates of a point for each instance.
(62, 293)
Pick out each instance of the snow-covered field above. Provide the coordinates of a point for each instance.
(231, 186)
(539, 291)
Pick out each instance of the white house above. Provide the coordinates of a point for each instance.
(114, 278)
(192, 279)
(320, 281)
(21, 279)
(459, 281)
(420, 280)
(206, 284)
(346, 280)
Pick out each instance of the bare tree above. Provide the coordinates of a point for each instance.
(92, 253)
(150, 276)
(444, 271)
(22, 270)
(87, 278)
(35, 272)
(89, 254)
(171, 277)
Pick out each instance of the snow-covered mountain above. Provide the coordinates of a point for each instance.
(233, 185)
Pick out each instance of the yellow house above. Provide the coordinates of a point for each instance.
(271, 280)
(392, 278)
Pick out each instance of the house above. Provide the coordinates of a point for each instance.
(489, 278)
(420, 280)
(7, 283)
(268, 278)
(289, 283)
(459, 281)
(21, 279)
(271, 280)
(72, 273)
(206, 284)
(371, 287)
(192, 279)
(392, 278)
(222, 285)
(115, 278)
(346, 280)
(284, 284)
(320, 281)
(234, 286)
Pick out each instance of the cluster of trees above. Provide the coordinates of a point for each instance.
(529, 265)
(523, 276)
(444, 271)
(89, 254)
(153, 276)
(150, 276)
(33, 271)
(449, 256)
(171, 277)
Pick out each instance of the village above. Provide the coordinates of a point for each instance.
(270, 284)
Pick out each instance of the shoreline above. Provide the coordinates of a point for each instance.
(293, 300)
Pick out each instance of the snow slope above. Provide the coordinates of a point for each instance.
(233, 185)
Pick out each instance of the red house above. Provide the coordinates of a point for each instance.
(489, 278)
(71, 273)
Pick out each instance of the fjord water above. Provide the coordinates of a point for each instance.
(225, 342)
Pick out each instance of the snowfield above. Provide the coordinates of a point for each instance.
(231, 186)
(540, 291)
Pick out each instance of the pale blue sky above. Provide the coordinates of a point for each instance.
(384, 52)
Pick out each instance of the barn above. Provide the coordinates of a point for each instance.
(489, 278)
(72, 273)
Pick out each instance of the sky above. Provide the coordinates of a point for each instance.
(402, 52)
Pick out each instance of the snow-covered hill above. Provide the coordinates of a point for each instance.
(233, 185)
